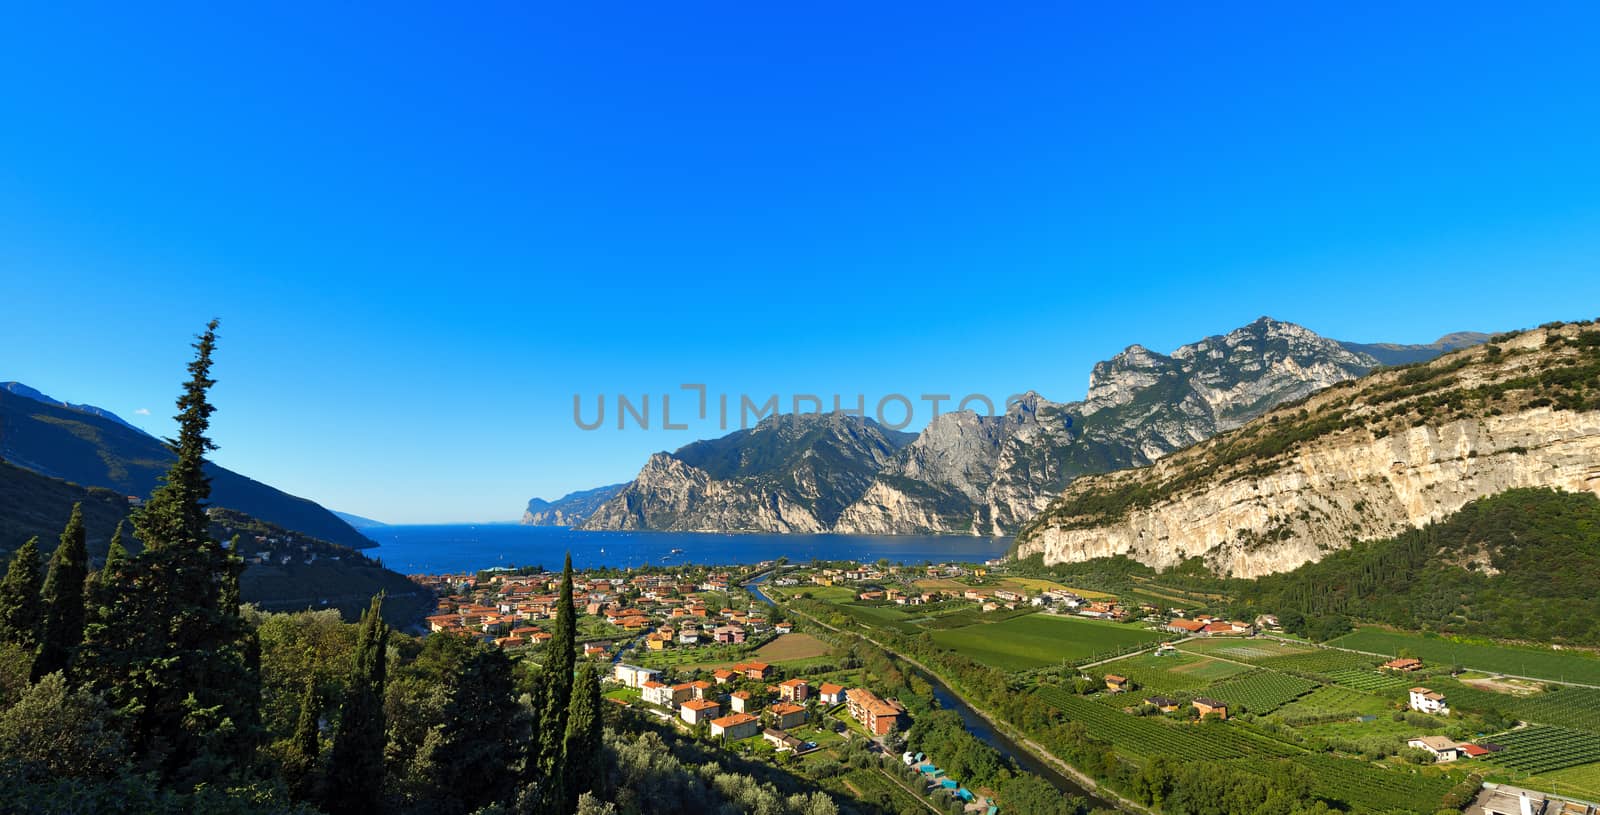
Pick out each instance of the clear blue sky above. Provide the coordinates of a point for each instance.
(425, 230)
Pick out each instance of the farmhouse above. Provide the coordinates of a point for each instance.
(1162, 703)
(1182, 626)
(1116, 683)
(1403, 664)
(735, 726)
(1210, 707)
(1428, 701)
(1443, 749)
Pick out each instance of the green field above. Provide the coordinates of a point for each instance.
(1539, 663)
(1261, 691)
(1177, 672)
(1577, 708)
(1321, 662)
(1332, 701)
(1037, 640)
(1542, 749)
(1251, 651)
(1582, 781)
(1374, 788)
(1144, 735)
(1369, 680)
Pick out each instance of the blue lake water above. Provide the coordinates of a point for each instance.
(468, 547)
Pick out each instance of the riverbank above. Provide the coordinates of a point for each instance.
(1028, 754)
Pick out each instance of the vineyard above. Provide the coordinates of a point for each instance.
(1371, 787)
(1320, 662)
(1261, 691)
(1577, 708)
(1540, 663)
(1144, 735)
(1368, 680)
(1172, 673)
(1541, 748)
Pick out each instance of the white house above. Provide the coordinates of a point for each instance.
(632, 675)
(1424, 700)
(1443, 749)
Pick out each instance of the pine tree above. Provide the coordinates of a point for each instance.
(166, 643)
(116, 556)
(474, 754)
(300, 766)
(557, 691)
(21, 616)
(62, 598)
(585, 765)
(355, 769)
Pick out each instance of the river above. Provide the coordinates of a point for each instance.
(978, 726)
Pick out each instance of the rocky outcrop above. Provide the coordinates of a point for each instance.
(1395, 451)
(790, 473)
(571, 509)
(991, 475)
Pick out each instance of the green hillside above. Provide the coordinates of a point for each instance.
(89, 449)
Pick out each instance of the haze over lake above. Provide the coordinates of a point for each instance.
(436, 548)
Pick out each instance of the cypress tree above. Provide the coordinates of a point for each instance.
(62, 598)
(167, 644)
(116, 556)
(300, 767)
(355, 769)
(557, 681)
(20, 613)
(585, 767)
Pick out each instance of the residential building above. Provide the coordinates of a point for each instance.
(786, 715)
(781, 740)
(1443, 749)
(794, 690)
(1162, 703)
(735, 726)
(1116, 683)
(696, 711)
(830, 694)
(876, 715)
(633, 676)
(1424, 700)
(1210, 707)
(740, 701)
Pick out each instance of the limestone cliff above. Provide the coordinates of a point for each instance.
(1366, 459)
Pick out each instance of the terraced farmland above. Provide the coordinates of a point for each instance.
(1541, 749)
(1261, 691)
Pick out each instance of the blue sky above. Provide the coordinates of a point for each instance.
(425, 230)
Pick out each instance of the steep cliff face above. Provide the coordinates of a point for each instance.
(792, 473)
(571, 509)
(1363, 460)
(991, 475)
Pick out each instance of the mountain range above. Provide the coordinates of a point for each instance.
(1362, 460)
(93, 447)
(571, 509)
(967, 473)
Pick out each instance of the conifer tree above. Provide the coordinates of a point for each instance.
(20, 613)
(116, 556)
(167, 644)
(62, 599)
(300, 767)
(355, 769)
(556, 693)
(585, 765)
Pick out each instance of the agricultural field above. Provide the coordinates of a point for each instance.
(1540, 663)
(1542, 749)
(1582, 781)
(1037, 640)
(1370, 680)
(1147, 736)
(1330, 700)
(1321, 662)
(1261, 691)
(1252, 650)
(1179, 672)
(1374, 788)
(792, 648)
(1577, 708)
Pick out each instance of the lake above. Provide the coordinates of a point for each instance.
(438, 548)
